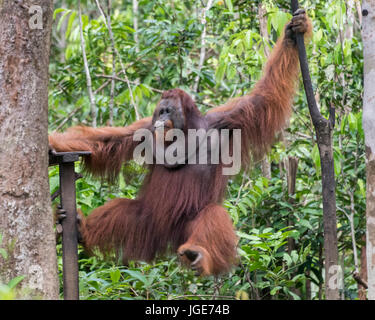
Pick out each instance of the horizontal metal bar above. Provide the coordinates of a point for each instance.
(65, 157)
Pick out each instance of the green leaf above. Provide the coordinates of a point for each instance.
(6, 293)
(263, 246)
(362, 188)
(229, 5)
(318, 35)
(247, 236)
(70, 23)
(54, 183)
(3, 253)
(123, 97)
(234, 215)
(87, 200)
(343, 124)
(313, 211)
(220, 71)
(57, 11)
(359, 123)
(305, 223)
(145, 90)
(240, 49)
(294, 256)
(268, 230)
(279, 20)
(316, 158)
(347, 48)
(275, 290)
(337, 162)
(12, 283)
(352, 122)
(85, 21)
(139, 276)
(62, 19)
(265, 235)
(287, 259)
(295, 297)
(248, 201)
(248, 40)
(286, 204)
(242, 208)
(115, 275)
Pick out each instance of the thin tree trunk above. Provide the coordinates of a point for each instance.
(265, 165)
(362, 289)
(203, 43)
(368, 36)
(291, 169)
(332, 268)
(359, 12)
(62, 36)
(87, 71)
(349, 27)
(112, 97)
(263, 27)
(135, 24)
(308, 286)
(25, 207)
(118, 56)
(324, 129)
(352, 230)
(321, 265)
(291, 166)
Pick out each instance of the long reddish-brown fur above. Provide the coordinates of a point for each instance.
(264, 111)
(180, 209)
(110, 146)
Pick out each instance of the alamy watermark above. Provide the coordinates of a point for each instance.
(36, 19)
(199, 146)
(335, 281)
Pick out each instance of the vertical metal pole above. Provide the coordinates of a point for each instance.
(69, 225)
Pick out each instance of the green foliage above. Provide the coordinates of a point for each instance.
(280, 235)
(8, 291)
(263, 253)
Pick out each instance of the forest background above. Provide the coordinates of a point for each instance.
(110, 62)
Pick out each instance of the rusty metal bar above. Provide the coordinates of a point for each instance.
(56, 194)
(66, 160)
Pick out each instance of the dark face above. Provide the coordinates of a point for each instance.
(169, 114)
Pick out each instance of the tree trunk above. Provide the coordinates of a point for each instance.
(203, 44)
(323, 128)
(368, 36)
(362, 290)
(25, 207)
(291, 169)
(135, 25)
(331, 265)
(265, 165)
(94, 111)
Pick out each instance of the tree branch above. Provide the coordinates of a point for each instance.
(109, 27)
(111, 101)
(135, 25)
(313, 108)
(359, 280)
(86, 66)
(203, 43)
(323, 128)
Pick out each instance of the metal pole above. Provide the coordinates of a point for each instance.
(69, 225)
